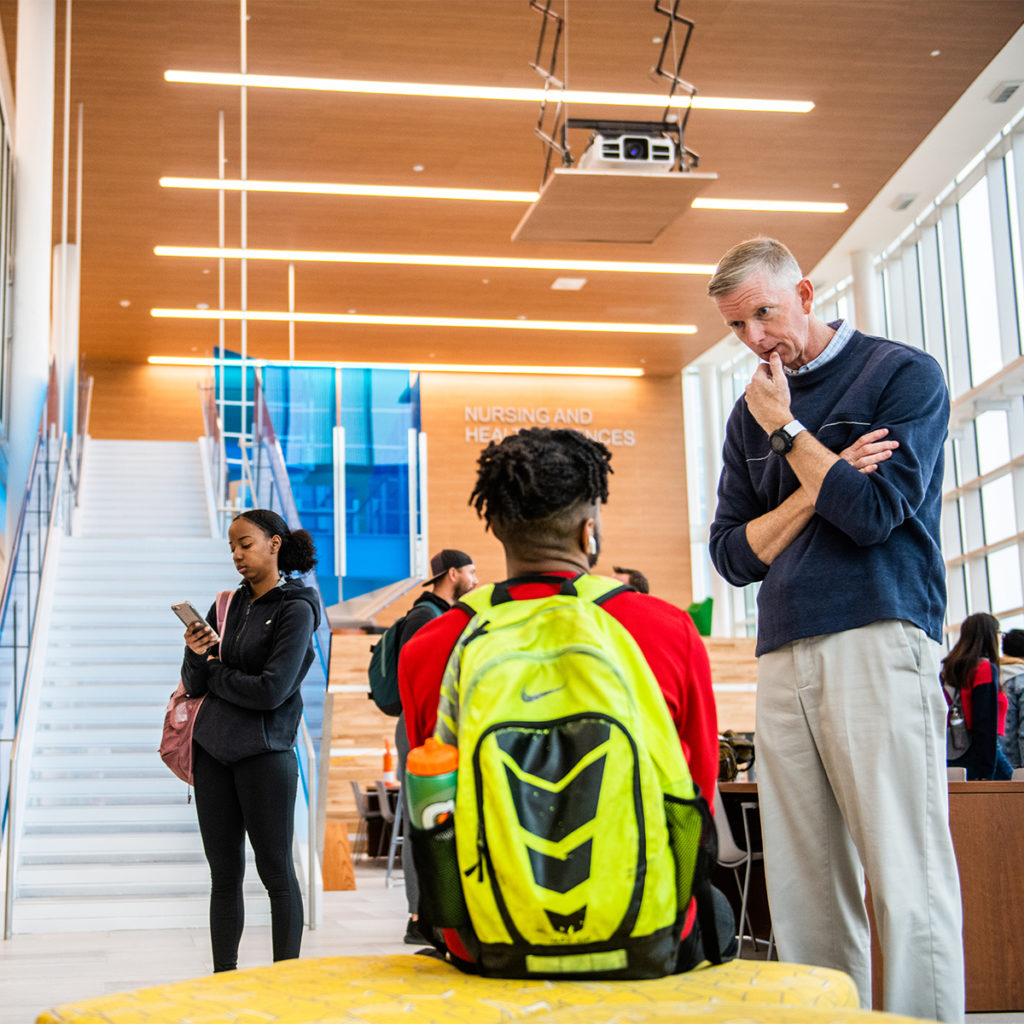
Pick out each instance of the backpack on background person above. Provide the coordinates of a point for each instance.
(383, 668)
(578, 832)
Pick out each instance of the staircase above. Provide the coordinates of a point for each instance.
(110, 840)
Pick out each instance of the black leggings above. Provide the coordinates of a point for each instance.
(254, 795)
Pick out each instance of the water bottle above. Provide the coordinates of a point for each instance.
(431, 771)
(388, 767)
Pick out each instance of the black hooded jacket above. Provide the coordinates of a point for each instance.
(253, 703)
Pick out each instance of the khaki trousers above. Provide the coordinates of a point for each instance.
(851, 770)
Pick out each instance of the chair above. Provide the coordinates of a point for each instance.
(957, 774)
(731, 855)
(365, 814)
(394, 819)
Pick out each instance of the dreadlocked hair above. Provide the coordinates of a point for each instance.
(538, 474)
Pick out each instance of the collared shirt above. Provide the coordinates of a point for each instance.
(836, 345)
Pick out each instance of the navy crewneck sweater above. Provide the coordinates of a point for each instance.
(872, 550)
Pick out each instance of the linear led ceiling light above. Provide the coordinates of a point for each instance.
(771, 205)
(425, 321)
(320, 188)
(478, 92)
(578, 371)
(429, 260)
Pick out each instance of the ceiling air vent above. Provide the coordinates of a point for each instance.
(1003, 91)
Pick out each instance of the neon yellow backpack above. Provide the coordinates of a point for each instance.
(579, 832)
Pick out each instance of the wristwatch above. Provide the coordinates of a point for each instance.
(781, 440)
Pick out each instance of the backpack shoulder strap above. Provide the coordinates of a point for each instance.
(591, 588)
(224, 599)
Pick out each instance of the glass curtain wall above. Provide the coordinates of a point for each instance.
(953, 285)
(376, 409)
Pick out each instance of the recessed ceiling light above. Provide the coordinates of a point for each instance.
(202, 305)
(435, 260)
(479, 92)
(125, 303)
(519, 323)
(568, 284)
(936, 53)
(417, 168)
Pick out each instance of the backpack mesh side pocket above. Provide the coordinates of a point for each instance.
(694, 843)
(437, 867)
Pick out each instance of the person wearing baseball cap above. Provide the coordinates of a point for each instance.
(443, 563)
(452, 574)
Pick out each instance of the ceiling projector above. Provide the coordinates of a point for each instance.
(639, 154)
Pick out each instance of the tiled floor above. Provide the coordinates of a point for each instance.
(39, 971)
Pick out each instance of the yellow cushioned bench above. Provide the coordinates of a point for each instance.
(424, 990)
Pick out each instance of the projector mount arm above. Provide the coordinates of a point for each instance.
(556, 138)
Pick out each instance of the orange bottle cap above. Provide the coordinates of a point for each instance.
(432, 758)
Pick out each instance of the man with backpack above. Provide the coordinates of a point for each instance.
(452, 574)
(582, 710)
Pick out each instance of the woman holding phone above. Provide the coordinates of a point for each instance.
(245, 770)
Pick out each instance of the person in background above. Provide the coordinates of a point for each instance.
(1011, 670)
(634, 577)
(452, 574)
(829, 497)
(971, 668)
(244, 767)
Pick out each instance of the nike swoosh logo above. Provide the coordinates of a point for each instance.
(537, 696)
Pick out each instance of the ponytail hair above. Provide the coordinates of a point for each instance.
(297, 553)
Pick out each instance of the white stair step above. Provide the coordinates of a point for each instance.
(111, 816)
(70, 845)
(109, 789)
(111, 914)
(140, 672)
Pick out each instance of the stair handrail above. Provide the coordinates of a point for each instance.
(266, 444)
(59, 484)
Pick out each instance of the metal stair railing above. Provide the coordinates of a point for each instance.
(48, 503)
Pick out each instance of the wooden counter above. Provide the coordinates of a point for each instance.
(986, 820)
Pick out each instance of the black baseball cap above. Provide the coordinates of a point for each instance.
(449, 558)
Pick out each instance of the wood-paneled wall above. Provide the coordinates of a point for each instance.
(646, 521)
(140, 402)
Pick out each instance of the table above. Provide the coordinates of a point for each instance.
(986, 820)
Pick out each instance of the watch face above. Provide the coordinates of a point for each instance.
(780, 441)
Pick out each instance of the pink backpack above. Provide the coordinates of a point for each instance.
(180, 716)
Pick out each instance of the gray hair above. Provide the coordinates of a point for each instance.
(751, 257)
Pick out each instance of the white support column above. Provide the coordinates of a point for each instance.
(867, 298)
(33, 236)
(723, 619)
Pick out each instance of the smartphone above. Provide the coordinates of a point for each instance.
(186, 611)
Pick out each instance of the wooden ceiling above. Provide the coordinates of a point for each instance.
(867, 65)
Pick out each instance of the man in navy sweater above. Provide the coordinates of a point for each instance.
(829, 498)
